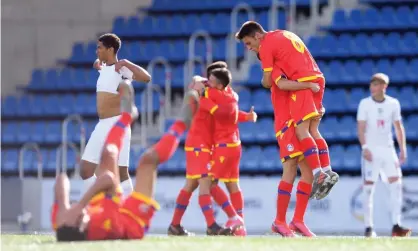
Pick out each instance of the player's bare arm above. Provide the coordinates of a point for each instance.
(361, 129)
(97, 64)
(400, 137)
(139, 73)
(289, 85)
(104, 183)
(250, 116)
(266, 81)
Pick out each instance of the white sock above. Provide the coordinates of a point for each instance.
(88, 182)
(395, 190)
(326, 169)
(316, 170)
(127, 187)
(368, 192)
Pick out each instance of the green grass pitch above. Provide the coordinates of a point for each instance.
(252, 243)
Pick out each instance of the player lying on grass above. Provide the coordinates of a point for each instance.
(198, 147)
(100, 214)
(285, 51)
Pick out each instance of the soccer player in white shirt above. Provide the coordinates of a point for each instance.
(112, 72)
(375, 117)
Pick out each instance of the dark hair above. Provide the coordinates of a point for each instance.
(223, 75)
(66, 233)
(110, 40)
(215, 65)
(249, 28)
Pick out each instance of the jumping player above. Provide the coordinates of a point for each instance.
(375, 117)
(291, 155)
(198, 149)
(287, 52)
(112, 71)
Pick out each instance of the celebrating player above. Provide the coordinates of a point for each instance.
(112, 71)
(291, 155)
(375, 117)
(198, 156)
(198, 149)
(283, 50)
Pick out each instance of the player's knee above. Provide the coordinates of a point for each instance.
(314, 132)
(302, 130)
(232, 187)
(123, 173)
(87, 169)
(109, 155)
(149, 158)
(191, 185)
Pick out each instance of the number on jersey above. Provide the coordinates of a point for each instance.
(296, 41)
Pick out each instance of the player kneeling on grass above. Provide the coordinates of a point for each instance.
(100, 214)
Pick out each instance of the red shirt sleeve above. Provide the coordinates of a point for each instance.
(266, 55)
(276, 75)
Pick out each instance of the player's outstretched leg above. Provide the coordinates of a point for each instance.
(302, 198)
(146, 172)
(324, 159)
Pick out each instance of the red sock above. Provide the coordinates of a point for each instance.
(310, 151)
(169, 143)
(238, 202)
(221, 199)
(283, 197)
(323, 152)
(117, 132)
(181, 205)
(205, 202)
(302, 198)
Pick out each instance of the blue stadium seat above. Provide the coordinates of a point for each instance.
(247, 131)
(51, 107)
(51, 79)
(343, 45)
(327, 46)
(261, 107)
(53, 132)
(337, 153)
(412, 73)
(265, 130)
(366, 69)
(79, 80)
(371, 19)
(37, 80)
(50, 163)
(24, 131)
(66, 104)
(65, 79)
(314, 45)
(356, 95)
(397, 74)
(30, 161)
(393, 92)
(177, 76)
(335, 69)
(384, 65)
(411, 128)
(360, 45)
(355, 20)
(414, 159)
(408, 98)
(8, 132)
(9, 106)
(244, 101)
(349, 72)
(403, 17)
(377, 46)
(352, 158)
(387, 18)
(410, 43)
(10, 161)
(270, 158)
(339, 20)
(92, 76)
(176, 162)
(38, 132)
(251, 158)
(90, 53)
(393, 43)
(347, 128)
(119, 26)
(255, 75)
(328, 128)
(24, 106)
(335, 101)
(77, 54)
(132, 26)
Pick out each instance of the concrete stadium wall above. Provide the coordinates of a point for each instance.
(35, 34)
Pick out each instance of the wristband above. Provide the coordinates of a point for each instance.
(364, 147)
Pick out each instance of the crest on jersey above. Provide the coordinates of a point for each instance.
(290, 147)
(222, 159)
(107, 225)
(293, 97)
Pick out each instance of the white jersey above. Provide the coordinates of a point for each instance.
(379, 118)
(109, 79)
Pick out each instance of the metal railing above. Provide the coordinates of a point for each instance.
(147, 111)
(22, 151)
(168, 80)
(274, 11)
(58, 160)
(232, 48)
(79, 120)
(187, 71)
(192, 54)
